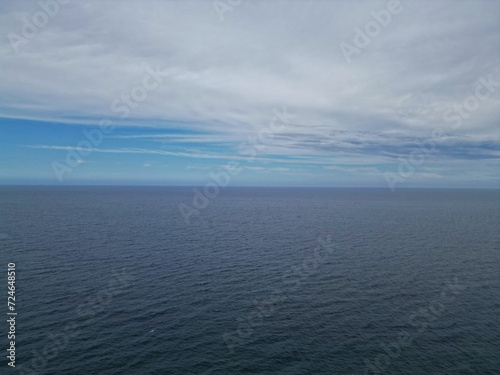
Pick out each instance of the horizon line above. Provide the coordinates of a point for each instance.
(251, 186)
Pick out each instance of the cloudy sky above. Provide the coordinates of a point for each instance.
(298, 93)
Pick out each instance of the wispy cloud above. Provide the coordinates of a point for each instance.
(405, 81)
(221, 81)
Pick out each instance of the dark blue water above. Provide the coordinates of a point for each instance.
(111, 280)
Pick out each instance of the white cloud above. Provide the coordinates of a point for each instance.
(227, 76)
(223, 79)
(255, 168)
(279, 169)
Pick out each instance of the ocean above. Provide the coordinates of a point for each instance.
(113, 280)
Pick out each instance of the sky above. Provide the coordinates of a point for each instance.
(396, 94)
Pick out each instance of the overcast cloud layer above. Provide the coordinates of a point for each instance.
(222, 78)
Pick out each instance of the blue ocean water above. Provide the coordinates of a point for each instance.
(111, 280)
